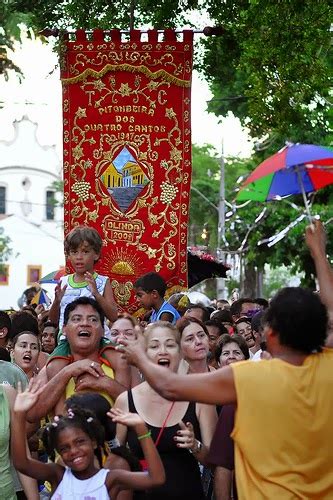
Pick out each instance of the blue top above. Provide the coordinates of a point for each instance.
(165, 307)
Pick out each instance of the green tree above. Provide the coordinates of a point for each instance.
(204, 196)
(271, 68)
(205, 191)
(273, 61)
(5, 249)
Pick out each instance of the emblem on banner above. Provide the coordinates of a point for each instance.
(124, 179)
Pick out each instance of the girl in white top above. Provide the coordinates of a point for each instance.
(78, 438)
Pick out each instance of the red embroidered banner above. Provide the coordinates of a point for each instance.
(127, 151)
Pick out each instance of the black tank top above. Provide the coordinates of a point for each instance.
(181, 468)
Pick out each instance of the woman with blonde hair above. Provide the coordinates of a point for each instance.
(182, 431)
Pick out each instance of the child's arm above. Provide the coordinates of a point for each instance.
(29, 484)
(54, 312)
(155, 475)
(22, 462)
(106, 301)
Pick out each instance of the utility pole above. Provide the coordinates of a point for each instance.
(131, 14)
(220, 282)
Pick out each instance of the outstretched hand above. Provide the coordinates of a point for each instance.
(59, 292)
(91, 283)
(125, 418)
(133, 350)
(315, 237)
(25, 400)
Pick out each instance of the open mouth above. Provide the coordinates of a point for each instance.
(164, 362)
(77, 460)
(84, 333)
(27, 358)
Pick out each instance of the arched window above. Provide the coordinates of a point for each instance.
(2, 200)
(50, 204)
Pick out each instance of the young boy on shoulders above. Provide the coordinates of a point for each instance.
(83, 247)
(150, 290)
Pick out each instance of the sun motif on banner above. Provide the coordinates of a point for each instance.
(124, 179)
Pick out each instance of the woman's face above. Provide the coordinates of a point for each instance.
(231, 353)
(244, 329)
(26, 351)
(122, 329)
(162, 348)
(194, 343)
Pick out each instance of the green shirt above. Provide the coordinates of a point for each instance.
(6, 484)
(11, 374)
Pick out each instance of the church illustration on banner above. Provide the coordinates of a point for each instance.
(124, 179)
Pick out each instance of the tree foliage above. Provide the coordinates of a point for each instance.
(5, 249)
(272, 63)
(271, 68)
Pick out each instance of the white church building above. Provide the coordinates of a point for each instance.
(29, 216)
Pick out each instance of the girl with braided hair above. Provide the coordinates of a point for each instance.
(77, 437)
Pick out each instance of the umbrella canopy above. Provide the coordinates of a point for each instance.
(201, 266)
(41, 298)
(54, 276)
(295, 169)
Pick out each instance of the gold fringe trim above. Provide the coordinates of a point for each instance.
(161, 73)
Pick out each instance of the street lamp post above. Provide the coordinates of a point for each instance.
(220, 282)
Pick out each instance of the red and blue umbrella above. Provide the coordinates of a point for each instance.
(295, 169)
(54, 276)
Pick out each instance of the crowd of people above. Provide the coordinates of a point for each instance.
(188, 402)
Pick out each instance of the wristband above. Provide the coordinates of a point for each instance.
(143, 436)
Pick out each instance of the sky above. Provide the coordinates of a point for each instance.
(39, 97)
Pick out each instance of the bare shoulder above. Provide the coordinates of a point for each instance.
(122, 401)
(203, 410)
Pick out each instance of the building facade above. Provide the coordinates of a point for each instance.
(31, 215)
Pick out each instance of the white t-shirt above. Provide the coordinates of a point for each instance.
(71, 488)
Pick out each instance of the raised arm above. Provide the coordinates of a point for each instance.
(315, 238)
(155, 475)
(30, 486)
(213, 388)
(54, 312)
(22, 461)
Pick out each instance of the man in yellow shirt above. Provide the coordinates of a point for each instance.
(283, 431)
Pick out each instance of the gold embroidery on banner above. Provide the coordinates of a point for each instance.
(129, 231)
(122, 291)
(161, 73)
(122, 261)
(119, 225)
